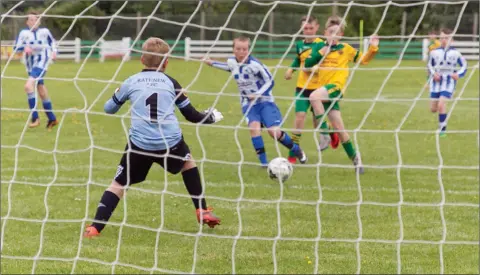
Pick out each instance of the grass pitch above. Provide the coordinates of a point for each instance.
(325, 218)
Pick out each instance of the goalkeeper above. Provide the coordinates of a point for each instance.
(155, 135)
(306, 82)
(332, 59)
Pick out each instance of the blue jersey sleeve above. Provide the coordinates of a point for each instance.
(221, 66)
(462, 62)
(431, 63)
(119, 97)
(20, 41)
(51, 41)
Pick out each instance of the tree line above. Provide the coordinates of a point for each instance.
(247, 16)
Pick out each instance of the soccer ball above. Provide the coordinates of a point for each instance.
(279, 169)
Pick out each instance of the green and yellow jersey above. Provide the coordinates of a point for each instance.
(433, 45)
(303, 51)
(334, 67)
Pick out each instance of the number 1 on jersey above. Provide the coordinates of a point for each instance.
(152, 102)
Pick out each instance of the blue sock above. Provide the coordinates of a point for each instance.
(47, 106)
(287, 142)
(260, 149)
(441, 120)
(31, 104)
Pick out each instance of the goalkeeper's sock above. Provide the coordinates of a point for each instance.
(323, 126)
(31, 104)
(193, 183)
(442, 123)
(349, 149)
(260, 149)
(296, 139)
(47, 106)
(107, 205)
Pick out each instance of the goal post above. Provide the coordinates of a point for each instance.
(415, 210)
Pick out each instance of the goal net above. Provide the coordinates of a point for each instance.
(415, 210)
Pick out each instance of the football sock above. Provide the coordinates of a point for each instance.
(47, 106)
(441, 120)
(193, 183)
(107, 205)
(286, 141)
(31, 104)
(260, 149)
(323, 126)
(296, 139)
(349, 149)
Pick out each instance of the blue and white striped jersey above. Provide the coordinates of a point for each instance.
(252, 77)
(42, 44)
(446, 62)
(153, 96)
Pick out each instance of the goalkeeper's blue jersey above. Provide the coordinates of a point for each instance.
(153, 96)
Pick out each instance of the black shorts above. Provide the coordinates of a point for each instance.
(306, 93)
(140, 160)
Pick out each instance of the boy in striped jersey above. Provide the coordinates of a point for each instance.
(255, 84)
(446, 65)
(38, 46)
(306, 82)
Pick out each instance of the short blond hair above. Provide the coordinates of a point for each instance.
(335, 20)
(158, 47)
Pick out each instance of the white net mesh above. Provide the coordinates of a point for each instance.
(419, 193)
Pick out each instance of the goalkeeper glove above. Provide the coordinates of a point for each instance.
(214, 115)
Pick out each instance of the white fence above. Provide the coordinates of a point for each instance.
(115, 48)
(469, 49)
(223, 49)
(194, 49)
(72, 49)
(199, 48)
(67, 49)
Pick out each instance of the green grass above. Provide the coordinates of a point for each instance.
(64, 187)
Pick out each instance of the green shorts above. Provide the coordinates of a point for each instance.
(335, 94)
(302, 103)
